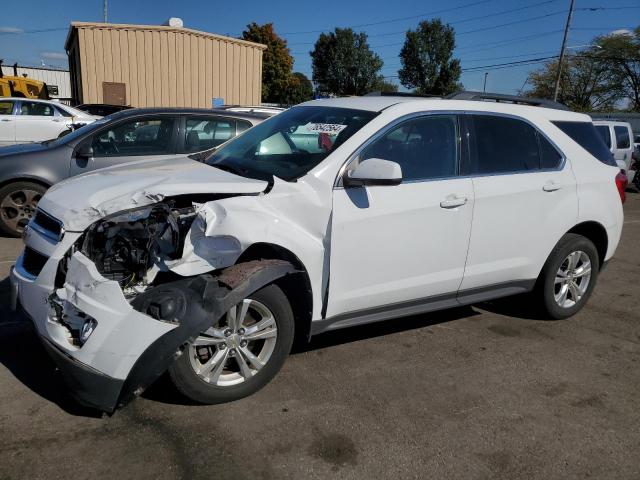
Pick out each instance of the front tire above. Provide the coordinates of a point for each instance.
(241, 354)
(568, 276)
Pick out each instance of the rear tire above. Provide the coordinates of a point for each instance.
(18, 203)
(238, 376)
(568, 276)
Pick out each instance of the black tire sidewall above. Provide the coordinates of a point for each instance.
(189, 384)
(10, 188)
(569, 243)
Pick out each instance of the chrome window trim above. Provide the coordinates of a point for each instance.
(563, 159)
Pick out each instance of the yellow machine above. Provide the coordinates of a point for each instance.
(17, 86)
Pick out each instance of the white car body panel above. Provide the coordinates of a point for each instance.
(369, 246)
(18, 128)
(376, 230)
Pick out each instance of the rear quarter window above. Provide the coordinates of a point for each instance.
(585, 135)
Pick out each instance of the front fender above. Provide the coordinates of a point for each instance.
(194, 304)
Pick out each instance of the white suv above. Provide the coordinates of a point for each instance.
(400, 206)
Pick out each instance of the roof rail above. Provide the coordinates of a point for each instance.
(499, 97)
(400, 94)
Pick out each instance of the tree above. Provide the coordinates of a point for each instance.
(621, 52)
(426, 57)
(343, 63)
(381, 85)
(299, 89)
(277, 62)
(585, 83)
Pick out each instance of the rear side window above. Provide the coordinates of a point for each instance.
(205, 133)
(585, 135)
(505, 145)
(622, 137)
(605, 133)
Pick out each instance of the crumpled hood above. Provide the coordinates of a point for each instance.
(81, 200)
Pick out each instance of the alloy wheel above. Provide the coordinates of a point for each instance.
(572, 279)
(18, 207)
(238, 347)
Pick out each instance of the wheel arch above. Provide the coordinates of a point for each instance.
(595, 232)
(25, 178)
(296, 287)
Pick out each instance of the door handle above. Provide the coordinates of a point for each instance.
(551, 187)
(5, 120)
(453, 202)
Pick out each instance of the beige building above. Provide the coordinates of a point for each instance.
(161, 66)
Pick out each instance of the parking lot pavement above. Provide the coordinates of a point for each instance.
(486, 391)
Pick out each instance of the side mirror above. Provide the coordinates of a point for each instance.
(373, 171)
(84, 150)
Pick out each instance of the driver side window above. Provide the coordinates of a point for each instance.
(139, 136)
(425, 147)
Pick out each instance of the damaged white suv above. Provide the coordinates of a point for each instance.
(334, 213)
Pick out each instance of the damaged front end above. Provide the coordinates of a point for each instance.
(123, 310)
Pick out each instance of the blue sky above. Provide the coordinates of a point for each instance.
(534, 27)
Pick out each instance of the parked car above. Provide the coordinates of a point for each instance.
(101, 109)
(407, 206)
(617, 136)
(27, 120)
(26, 171)
(253, 109)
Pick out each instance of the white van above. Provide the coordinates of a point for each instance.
(618, 137)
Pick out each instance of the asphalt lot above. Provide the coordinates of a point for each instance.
(481, 392)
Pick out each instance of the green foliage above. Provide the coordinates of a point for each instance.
(602, 77)
(343, 63)
(277, 62)
(584, 83)
(427, 63)
(381, 85)
(299, 90)
(621, 53)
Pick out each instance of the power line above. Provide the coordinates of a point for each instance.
(457, 22)
(400, 19)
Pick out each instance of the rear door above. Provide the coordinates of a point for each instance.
(7, 122)
(148, 137)
(525, 200)
(38, 121)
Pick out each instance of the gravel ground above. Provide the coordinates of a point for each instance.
(487, 391)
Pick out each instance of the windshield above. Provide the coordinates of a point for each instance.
(291, 143)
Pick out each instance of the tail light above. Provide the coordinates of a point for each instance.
(621, 183)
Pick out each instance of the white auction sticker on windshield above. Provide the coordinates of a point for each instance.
(330, 128)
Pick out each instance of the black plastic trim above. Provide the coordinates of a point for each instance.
(423, 305)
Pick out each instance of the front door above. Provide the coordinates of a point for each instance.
(129, 140)
(395, 244)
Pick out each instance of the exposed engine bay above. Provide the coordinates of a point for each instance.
(131, 247)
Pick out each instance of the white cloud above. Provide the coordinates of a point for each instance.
(11, 30)
(54, 55)
(622, 31)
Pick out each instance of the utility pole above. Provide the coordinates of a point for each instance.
(104, 10)
(484, 89)
(562, 51)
